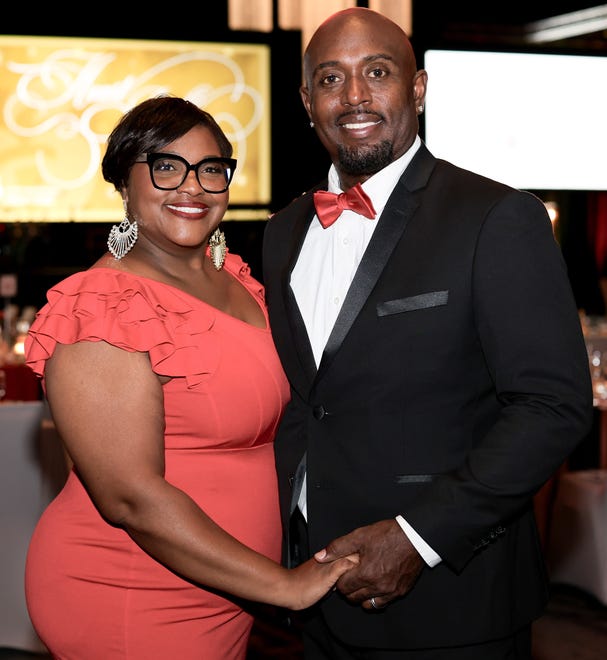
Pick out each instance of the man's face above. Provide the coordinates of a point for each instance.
(361, 91)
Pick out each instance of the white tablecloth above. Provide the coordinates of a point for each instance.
(578, 540)
(32, 470)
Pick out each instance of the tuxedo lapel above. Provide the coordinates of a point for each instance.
(303, 212)
(300, 338)
(399, 209)
(391, 225)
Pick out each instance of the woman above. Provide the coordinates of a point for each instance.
(162, 379)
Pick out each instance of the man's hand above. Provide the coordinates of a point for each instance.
(388, 565)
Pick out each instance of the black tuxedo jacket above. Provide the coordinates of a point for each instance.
(454, 383)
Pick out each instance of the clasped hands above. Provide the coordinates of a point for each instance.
(388, 564)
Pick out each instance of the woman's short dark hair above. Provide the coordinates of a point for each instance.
(150, 126)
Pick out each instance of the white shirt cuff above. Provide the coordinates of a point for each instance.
(427, 553)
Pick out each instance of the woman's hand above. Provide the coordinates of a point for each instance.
(311, 581)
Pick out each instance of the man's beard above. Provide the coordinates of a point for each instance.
(365, 160)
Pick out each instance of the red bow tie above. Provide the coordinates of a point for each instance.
(329, 205)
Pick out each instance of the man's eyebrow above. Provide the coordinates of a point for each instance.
(326, 65)
(369, 58)
(378, 56)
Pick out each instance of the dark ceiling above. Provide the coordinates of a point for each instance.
(515, 12)
(506, 24)
(435, 23)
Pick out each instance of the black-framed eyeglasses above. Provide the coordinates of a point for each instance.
(169, 171)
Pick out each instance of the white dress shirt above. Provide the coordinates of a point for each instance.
(325, 269)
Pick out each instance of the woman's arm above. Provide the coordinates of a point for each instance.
(108, 407)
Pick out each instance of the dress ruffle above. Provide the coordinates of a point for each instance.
(136, 314)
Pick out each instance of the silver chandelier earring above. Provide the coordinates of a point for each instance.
(122, 237)
(218, 248)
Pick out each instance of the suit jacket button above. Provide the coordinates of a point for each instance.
(318, 412)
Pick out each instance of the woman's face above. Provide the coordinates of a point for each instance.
(182, 218)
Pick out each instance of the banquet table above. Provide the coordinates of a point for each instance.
(578, 545)
(32, 471)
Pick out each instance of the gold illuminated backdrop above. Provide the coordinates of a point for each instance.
(61, 97)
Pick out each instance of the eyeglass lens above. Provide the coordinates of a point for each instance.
(170, 173)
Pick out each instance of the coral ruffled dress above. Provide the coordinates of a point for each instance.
(92, 593)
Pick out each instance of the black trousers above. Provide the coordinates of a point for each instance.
(319, 643)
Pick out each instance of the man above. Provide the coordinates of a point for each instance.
(437, 367)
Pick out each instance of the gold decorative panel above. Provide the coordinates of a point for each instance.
(61, 97)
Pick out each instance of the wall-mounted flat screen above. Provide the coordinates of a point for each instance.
(534, 121)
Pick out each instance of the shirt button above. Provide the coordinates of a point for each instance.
(336, 300)
(318, 412)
